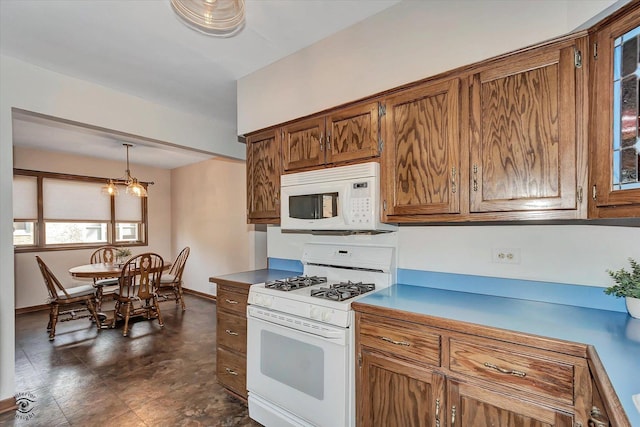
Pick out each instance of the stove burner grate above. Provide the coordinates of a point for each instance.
(343, 290)
(296, 282)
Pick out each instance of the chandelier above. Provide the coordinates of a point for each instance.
(134, 188)
(220, 18)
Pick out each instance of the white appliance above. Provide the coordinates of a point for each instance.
(345, 199)
(300, 343)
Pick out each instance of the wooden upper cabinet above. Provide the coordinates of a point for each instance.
(421, 157)
(523, 136)
(614, 118)
(345, 135)
(303, 144)
(352, 133)
(263, 177)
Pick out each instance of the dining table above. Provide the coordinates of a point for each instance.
(102, 270)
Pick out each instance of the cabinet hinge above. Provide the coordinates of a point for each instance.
(579, 194)
(359, 360)
(594, 193)
(382, 110)
(595, 50)
(577, 55)
(380, 145)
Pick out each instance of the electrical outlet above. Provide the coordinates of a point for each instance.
(505, 255)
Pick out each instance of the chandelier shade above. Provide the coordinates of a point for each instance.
(220, 18)
(134, 187)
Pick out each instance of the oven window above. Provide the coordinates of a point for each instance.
(313, 206)
(294, 363)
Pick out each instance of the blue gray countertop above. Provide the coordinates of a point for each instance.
(252, 277)
(615, 335)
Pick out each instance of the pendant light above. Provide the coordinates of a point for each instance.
(134, 188)
(219, 18)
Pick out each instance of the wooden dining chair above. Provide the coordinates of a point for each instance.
(75, 300)
(136, 294)
(171, 282)
(104, 285)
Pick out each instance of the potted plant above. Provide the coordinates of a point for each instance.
(122, 254)
(627, 286)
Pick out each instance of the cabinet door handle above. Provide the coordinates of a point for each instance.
(453, 180)
(505, 371)
(475, 177)
(231, 332)
(593, 419)
(231, 371)
(453, 415)
(321, 140)
(437, 412)
(230, 301)
(404, 343)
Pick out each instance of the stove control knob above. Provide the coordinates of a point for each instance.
(315, 313)
(326, 315)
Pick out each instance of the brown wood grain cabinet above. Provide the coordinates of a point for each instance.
(417, 370)
(614, 119)
(528, 135)
(263, 177)
(346, 134)
(421, 156)
(231, 332)
(527, 153)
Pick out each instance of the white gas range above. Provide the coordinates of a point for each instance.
(300, 349)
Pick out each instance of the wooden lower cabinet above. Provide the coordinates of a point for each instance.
(415, 370)
(393, 392)
(231, 330)
(475, 406)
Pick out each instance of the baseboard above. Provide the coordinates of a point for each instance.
(31, 309)
(199, 294)
(7, 405)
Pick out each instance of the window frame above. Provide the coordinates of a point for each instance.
(39, 222)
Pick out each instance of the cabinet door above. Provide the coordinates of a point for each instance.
(352, 133)
(615, 116)
(474, 406)
(392, 392)
(263, 178)
(303, 144)
(421, 159)
(523, 132)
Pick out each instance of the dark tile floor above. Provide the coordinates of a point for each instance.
(153, 377)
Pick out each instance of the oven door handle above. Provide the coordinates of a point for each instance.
(304, 326)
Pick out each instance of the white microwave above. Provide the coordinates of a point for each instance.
(340, 199)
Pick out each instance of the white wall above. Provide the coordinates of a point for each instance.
(30, 290)
(407, 42)
(31, 88)
(209, 216)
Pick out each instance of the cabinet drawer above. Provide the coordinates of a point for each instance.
(231, 301)
(232, 332)
(544, 377)
(400, 338)
(232, 371)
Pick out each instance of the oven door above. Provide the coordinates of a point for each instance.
(296, 377)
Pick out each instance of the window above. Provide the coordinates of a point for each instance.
(57, 210)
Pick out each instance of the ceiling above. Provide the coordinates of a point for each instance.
(141, 48)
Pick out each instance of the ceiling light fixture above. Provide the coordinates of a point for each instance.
(134, 188)
(220, 18)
